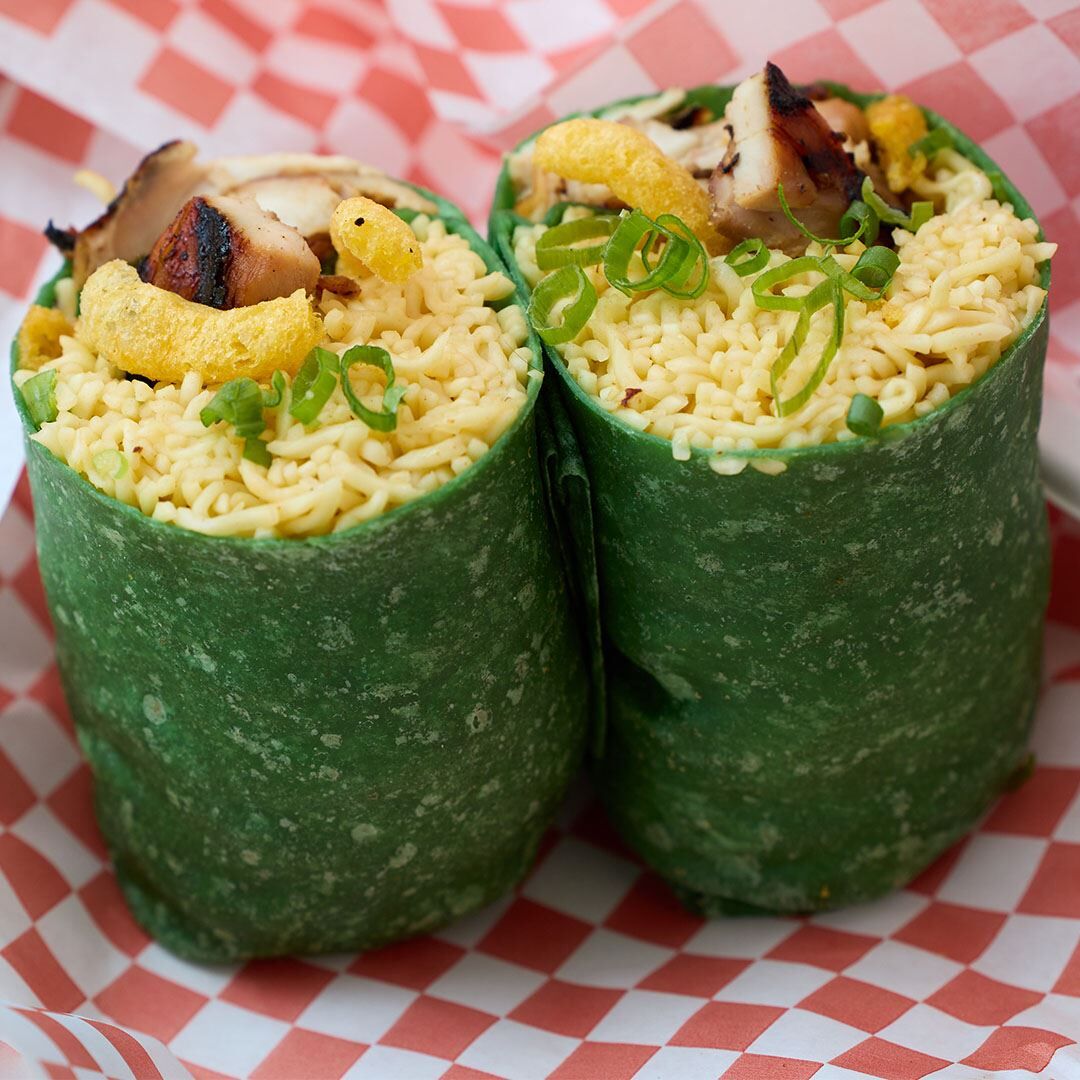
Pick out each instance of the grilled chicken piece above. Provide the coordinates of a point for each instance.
(685, 134)
(303, 189)
(844, 117)
(847, 119)
(304, 202)
(228, 252)
(779, 137)
(699, 148)
(148, 201)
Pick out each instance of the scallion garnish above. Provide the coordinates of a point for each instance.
(762, 288)
(570, 284)
(39, 394)
(556, 248)
(313, 385)
(875, 269)
(921, 212)
(696, 259)
(840, 242)
(558, 211)
(257, 451)
(272, 398)
(859, 220)
(240, 403)
(864, 416)
(386, 418)
(632, 229)
(869, 277)
(867, 280)
(748, 257)
(825, 293)
(890, 215)
(931, 143)
(111, 463)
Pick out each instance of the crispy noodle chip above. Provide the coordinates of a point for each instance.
(39, 336)
(367, 235)
(148, 331)
(896, 122)
(632, 166)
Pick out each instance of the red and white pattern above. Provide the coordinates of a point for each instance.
(591, 971)
(433, 89)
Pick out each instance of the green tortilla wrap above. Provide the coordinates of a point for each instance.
(319, 744)
(818, 680)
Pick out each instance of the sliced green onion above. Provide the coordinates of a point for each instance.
(654, 238)
(272, 398)
(748, 257)
(569, 283)
(921, 212)
(859, 220)
(39, 394)
(240, 403)
(762, 287)
(555, 215)
(888, 214)
(111, 463)
(313, 385)
(632, 228)
(931, 143)
(682, 257)
(869, 277)
(696, 259)
(875, 268)
(841, 242)
(825, 293)
(256, 450)
(864, 416)
(386, 418)
(555, 247)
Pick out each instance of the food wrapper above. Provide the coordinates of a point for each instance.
(324, 743)
(783, 731)
(591, 969)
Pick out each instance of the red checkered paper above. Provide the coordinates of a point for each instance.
(590, 971)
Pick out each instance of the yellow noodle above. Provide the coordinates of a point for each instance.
(966, 286)
(464, 365)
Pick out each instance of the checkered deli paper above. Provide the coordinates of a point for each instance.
(590, 971)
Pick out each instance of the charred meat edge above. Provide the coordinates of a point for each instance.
(780, 137)
(161, 183)
(226, 252)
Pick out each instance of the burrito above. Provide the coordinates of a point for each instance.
(798, 335)
(310, 621)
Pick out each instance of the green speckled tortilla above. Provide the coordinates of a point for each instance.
(322, 744)
(816, 681)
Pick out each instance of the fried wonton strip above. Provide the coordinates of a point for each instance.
(632, 166)
(147, 331)
(39, 336)
(367, 234)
